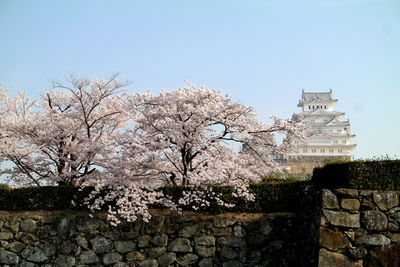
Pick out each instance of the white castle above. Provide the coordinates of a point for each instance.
(328, 134)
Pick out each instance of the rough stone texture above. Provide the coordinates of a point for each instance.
(88, 257)
(124, 246)
(350, 204)
(166, 259)
(38, 257)
(385, 256)
(229, 253)
(156, 252)
(374, 220)
(329, 200)
(65, 261)
(7, 257)
(333, 259)
(187, 259)
(358, 253)
(224, 221)
(6, 235)
(231, 241)
(347, 193)
(160, 240)
(386, 200)
(332, 240)
(148, 263)
(101, 244)
(205, 240)
(144, 241)
(205, 252)
(206, 263)
(28, 226)
(111, 258)
(180, 245)
(373, 240)
(340, 218)
(193, 239)
(135, 256)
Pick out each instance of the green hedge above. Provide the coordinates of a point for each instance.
(271, 196)
(42, 198)
(369, 175)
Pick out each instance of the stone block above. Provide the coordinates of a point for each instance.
(373, 240)
(332, 240)
(101, 244)
(88, 257)
(156, 252)
(385, 256)
(38, 257)
(111, 258)
(124, 246)
(374, 220)
(187, 259)
(7, 257)
(205, 252)
(329, 200)
(166, 259)
(386, 200)
(229, 253)
(340, 218)
(231, 241)
(350, 204)
(143, 241)
(224, 221)
(333, 259)
(180, 245)
(65, 261)
(204, 240)
(28, 226)
(346, 193)
(160, 240)
(148, 263)
(135, 256)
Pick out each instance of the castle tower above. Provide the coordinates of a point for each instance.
(328, 134)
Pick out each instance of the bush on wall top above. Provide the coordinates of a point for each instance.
(369, 175)
(271, 196)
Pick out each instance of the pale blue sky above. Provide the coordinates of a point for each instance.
(261, 52)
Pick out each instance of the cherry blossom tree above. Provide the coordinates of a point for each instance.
(63, 138)
(191, 137)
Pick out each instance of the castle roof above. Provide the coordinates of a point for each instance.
(322, 96)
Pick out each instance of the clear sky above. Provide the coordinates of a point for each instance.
(263, 53)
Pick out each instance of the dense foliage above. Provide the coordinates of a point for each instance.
(269, 197)
(369, 175)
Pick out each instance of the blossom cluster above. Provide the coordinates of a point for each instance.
(127, 146)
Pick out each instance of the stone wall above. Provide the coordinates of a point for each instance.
(189, 239)
(359, 228)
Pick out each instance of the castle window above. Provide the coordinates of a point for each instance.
(340, 150)
(314, 151)
(304, 150)
(335, 142)
(325, 107)
(330, 150)
(338, 130)
(344, 142)
(322, 150)
(313, 107)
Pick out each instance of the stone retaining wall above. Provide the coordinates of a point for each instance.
(359, 228)
(188, 239)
